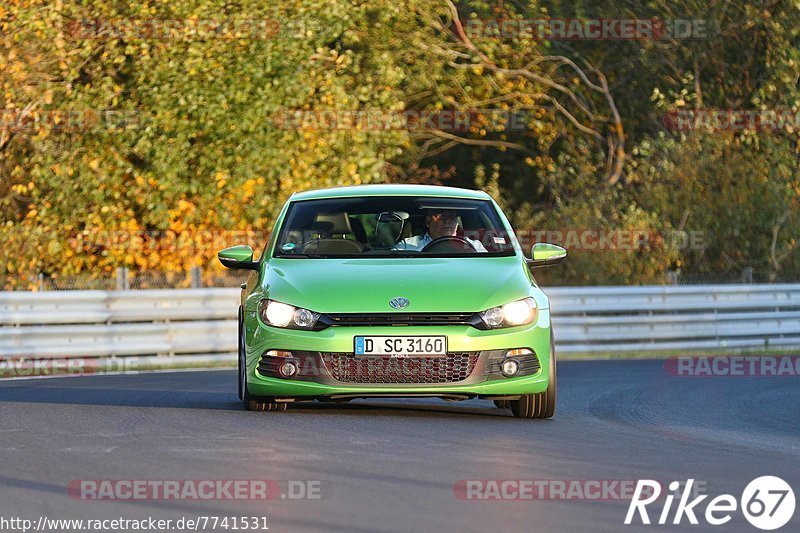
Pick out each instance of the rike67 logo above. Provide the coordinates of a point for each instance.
(767, 503)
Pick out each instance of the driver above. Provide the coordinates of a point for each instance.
(441, 223)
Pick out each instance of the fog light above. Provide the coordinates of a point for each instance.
(288, 369)
(278, 353)
(509, 368)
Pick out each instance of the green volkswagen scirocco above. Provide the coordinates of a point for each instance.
(395, 291)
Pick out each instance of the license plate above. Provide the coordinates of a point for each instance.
(400, 346)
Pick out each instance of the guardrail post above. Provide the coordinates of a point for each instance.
(195, 277)
(40, 281)
(672, 277)
(747, 275)
(123, 284)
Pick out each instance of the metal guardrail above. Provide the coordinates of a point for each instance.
(585, 319)
(609, 319)
(117, 323)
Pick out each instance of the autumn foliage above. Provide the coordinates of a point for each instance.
(145, 134)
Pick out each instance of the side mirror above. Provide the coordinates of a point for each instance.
(544, 254)
(238, 257)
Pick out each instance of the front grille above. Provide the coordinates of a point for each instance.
(400, 319)
(452, 368)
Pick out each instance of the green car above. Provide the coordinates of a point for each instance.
(398, 291)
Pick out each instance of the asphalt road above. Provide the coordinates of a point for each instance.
(392, 464)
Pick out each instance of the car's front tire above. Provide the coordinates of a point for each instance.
(252, 403)
(542, 404)
(240, 344)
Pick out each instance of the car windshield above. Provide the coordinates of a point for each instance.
(392, 226)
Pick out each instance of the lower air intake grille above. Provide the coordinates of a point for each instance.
(452, 368)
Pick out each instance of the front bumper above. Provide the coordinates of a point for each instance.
(481, 381)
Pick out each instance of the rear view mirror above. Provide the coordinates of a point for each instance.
(392, 216)
(384, 233)
(238, 257)
(544, 254)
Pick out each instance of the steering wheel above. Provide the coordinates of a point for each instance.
(450, 242)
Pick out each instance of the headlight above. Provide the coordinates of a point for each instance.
(283, 315)
(517, 313)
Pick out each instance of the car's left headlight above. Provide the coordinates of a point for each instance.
(281, 315)
(516, 313)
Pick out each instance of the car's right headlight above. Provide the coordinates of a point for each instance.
(516, 313)
(281, 315)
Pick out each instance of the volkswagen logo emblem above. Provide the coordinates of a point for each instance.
(399, 303)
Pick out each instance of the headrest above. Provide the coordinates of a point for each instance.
(340, 223)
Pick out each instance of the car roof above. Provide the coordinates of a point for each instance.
(391, 190)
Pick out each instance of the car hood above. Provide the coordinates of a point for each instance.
(366, 285)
